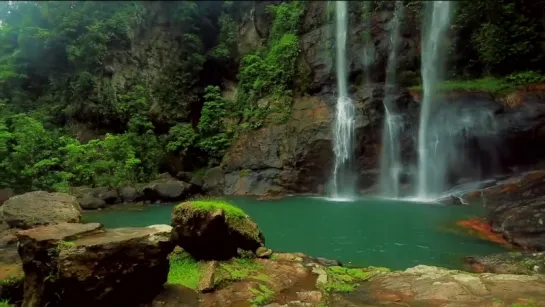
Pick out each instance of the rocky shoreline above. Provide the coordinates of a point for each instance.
(213, 254)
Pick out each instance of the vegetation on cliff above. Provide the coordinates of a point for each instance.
(111, 93)
(59, 68)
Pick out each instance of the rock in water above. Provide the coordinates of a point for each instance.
(89, 266)
(516, 209)
(129, 194)
(40, 208)
(214, 230)
(166, 188)
(90, 202)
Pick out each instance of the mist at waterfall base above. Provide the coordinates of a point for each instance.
(446, 133)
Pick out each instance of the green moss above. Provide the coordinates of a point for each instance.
(489, 85)
(67, 244)
(493, 85)
(241, 268)
(235, 217)
(341, 279)
(184, 270)
(262, 295)
(527, 303)
(244, 173)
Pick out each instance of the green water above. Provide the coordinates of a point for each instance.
(375, 232)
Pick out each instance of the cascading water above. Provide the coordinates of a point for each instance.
(343, 185)
(431, 176)
(390, 163)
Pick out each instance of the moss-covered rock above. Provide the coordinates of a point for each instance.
(214, 230)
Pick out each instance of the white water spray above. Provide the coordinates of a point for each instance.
(429, 181)
(343, 131)
(390, 162)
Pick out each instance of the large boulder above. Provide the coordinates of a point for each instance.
(91, 266)
(214, 230)
(129, 194)
(95, 198)
(89, 202)
(516, 209)
(167, 188)
(40, 208)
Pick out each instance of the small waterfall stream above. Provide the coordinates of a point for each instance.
(390, 163)
(430, 174)
(343, 185)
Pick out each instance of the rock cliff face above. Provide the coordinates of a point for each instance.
(503, 135)
(297, 156)
(318, 44)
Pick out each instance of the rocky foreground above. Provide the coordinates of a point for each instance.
(221, 260)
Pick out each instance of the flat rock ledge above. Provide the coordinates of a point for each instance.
(288, 280)
(72, 264)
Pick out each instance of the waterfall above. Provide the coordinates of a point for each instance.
(343, 185)
(390, 161)
(431, 175)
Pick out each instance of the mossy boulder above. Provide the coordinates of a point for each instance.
(214, 230)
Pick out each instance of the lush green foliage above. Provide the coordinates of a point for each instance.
(227, 44)
(32, 157)
(497, 37)
(214, 131)
(58, 69)
(270, 71)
